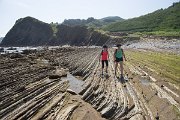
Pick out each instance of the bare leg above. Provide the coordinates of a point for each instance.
(121, 66)
(102, 66)
(116, 64)
(106, 66)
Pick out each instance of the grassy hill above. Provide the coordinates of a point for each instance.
(92, 22)
(160, 20)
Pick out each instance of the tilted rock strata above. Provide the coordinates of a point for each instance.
(28, 92)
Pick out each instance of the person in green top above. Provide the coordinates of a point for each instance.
(118, 58)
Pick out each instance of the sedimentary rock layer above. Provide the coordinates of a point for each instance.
(35, 86)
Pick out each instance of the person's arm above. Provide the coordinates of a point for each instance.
(124, 55)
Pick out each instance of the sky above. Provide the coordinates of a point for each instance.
(58, 10)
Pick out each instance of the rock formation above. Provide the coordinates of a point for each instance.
(28, 32)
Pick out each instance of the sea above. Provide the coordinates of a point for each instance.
(6, 50)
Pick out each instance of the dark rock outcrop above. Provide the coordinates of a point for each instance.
(79, 35)
(71, 35)
(1, 38)
(28, 32)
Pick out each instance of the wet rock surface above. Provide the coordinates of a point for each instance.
(42, 85)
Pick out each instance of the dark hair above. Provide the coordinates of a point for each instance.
(105, 46)
(118, 45)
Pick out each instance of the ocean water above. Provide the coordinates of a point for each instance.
(20, 49)
(17, 49)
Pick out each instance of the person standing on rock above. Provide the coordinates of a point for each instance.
(118, 58)
(104, 58)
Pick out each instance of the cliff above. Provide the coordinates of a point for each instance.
(28, 32)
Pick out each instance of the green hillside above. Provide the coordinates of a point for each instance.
(92, 22)
(160, 20)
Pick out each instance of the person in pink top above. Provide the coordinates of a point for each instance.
(104, 58)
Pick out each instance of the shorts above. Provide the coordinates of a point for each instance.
(119, 59)
(106, 61)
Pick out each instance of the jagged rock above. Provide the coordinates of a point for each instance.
(1, 49)
(61, 72)
(54, 76)
(28, 51)
(71, 91)
(58, 73)
(12, 48)
(15, 55)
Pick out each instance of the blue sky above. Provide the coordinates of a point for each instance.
(58, 10)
